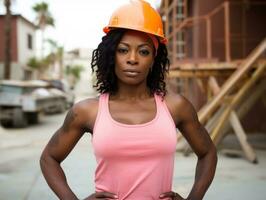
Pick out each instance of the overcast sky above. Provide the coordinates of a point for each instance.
(78, 23)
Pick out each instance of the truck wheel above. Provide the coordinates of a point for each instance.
(33, 117)
(20, 118)
(6, 124)
(62, 107)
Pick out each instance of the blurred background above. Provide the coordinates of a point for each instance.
(217, 50)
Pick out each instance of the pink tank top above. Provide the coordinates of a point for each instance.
(135, 162)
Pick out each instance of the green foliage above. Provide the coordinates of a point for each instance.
(39, 64)
(42, 6)
(74, 70)
(55, 48)
(34, 63)
(44, 17)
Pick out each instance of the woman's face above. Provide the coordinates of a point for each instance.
(133, 58)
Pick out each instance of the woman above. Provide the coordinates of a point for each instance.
(133, 122)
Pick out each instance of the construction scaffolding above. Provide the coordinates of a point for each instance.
(217, 53)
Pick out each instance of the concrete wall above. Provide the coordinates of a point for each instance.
(1, 71)
(84, 86)
(20, 53)
(24, 53)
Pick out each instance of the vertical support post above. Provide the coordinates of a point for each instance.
(185, 32)
(208, 38)
(185, 8)
(174, 52)
(242, 137)
(227, 31)
(244, 31)
(166, 14)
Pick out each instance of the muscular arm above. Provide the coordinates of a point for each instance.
(58, 148)
(199, 140)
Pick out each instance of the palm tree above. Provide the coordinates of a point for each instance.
(57, 52)
(44, 19)
(7, 39)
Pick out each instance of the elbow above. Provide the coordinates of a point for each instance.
(210, 156)
(47, 160)
(43, 159)
(213, 158)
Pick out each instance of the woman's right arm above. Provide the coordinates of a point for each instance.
(76, 123)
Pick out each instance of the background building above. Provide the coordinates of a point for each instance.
(215, 48)
(23, 47)
(80, 58)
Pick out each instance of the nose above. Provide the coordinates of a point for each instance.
(132, 59)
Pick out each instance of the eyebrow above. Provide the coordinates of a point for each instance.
(141, 45)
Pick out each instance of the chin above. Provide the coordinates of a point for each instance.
(132, 81)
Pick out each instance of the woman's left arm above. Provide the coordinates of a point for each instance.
(201, 143)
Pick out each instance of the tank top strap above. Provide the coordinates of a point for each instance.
(104, 102)
(101, 109)
(158, 101)
(161, 105)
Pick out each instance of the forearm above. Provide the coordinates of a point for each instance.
(56, 179)
(205, 171)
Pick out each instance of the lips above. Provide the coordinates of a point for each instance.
(131, 72)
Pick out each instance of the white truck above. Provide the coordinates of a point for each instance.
(22, 101)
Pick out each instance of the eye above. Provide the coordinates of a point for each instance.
(122, 50)
(144, 52)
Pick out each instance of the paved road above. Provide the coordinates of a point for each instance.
(21, 179)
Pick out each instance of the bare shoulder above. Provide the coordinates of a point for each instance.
(86, 110)
(179, 106)
(86, 105)
(174, 99)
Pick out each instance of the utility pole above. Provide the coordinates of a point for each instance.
(7, 40)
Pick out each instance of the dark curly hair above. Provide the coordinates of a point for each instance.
(103, 63)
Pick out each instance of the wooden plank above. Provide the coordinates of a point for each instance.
(199, 74)
(213, 84)
(209, 38)
(211, 124)
(166, 5)
(235, 101)
(243, 108)
(200, 85)
(241, 112)
(206, 64)
(209, 64)
(241, 135)
(174, 31)
(238, 129)
(227, 31)
(234, 78)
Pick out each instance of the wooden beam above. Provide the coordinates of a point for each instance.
(174, 31)
(211, 124)
(235, 101)
(228, 86)
(211, 64)
(235, 123)
(227, 31)
(200, 85)
(199, 74)
(213, 84)
(243, 108)
(241, 135)
(241, 112)
(209, 38)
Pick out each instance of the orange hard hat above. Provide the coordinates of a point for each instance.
(137, 15)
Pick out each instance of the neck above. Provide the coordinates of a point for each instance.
(132, 92)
